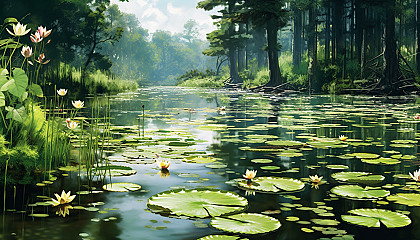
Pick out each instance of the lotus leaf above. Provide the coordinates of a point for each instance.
(286, 144)
(382, 160)
(246, 223)
(199, 203)
(121, 187)
(272, 184)
(355, 191)
(358, 177)
(222, 237)
(375, 217)
(409, 199)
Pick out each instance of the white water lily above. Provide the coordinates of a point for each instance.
(250, 174)
(416, 175)
(43, 32)
(62, 92)
(342, 138)
(18, 30)
(26, 51)
(63, 199)
(316, 179)
(78, 104)
(72, 124)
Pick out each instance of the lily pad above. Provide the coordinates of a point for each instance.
(286, 144)
(358, 177)
(376, 217)
(272, 184)
(201, 203)
(364, 155)
(246, 223)
(382, 160)
(222, 237)
(261, 160)
(358, 192)
(114, 170)
(121, 187)
(409, 199)
(337, 167)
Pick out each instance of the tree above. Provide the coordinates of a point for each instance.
(190, 30)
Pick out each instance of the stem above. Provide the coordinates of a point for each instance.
(11, 55)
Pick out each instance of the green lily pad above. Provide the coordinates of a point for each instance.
(376, 217)
(286, 144)
(364, 155)
(358, 192)
(121, 187)
(409, 199)
(382, 160)
(358, 177)
(290, 154)
(222, 237)
(325, 222)
(114, 170)
(201, 203)
(261, 160)
(337, 167)
(270, 168)
(272, 184)
(246, 223)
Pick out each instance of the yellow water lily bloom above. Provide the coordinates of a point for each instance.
(18, 30)
(164, 173)
(250, 174)
(416, 175)
(315, 179)
(78, 104)
(63, 199)
(63, 210)
(62, 92)
(342, 138)
(163, 164)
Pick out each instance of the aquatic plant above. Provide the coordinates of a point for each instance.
(250, 174)
(416, 175)
(342, 138)
(18, 30)
(63, 199)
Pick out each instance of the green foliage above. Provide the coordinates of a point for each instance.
(196, 78)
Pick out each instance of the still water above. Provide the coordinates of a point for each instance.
(233, 138)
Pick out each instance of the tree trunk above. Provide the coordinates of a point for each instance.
(297, 37)
(418, 37)
(312, 49)
(327, 31)
(391, 73)
(259, 38)
(241, 49)
(339, 36)
(359, 19)
(273, 59)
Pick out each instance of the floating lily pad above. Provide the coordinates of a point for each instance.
(270, 168)
(199, 159)
(358, 192)
(286, 144)
(246, 223)
(114, 170)
(409, 199)
(358, 177)
(364, 155)
(382, 160)
(337, 167)
(222, 237)
(121, 187)
(272, 184)
(290, 154)
(325, 222)
(376, 217)
(261, 160)
(199, 203)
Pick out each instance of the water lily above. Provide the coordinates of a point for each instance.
(72, 124)
(18, 30)
(316, 179)
(163, 164)
(416, 175)
(62, 92)
(43, 31)
(342, 138)
(63, 210)
(63, 199)
(36, 37)
(417, 116)
(222, 108)
(164, 173)
(78, 104)
(26, 51)
(250, 174)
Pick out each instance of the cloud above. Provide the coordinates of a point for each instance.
(174, 10)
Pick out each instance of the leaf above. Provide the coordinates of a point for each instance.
(201, 203)
(272, 184)
(358, 177)
(246, 223)
(114, 170)
(17, 85)
(121, 187)
(222, 237)
(10, 20)
(355, 191)
(18, 114)
(2, 100)
(409, 199)
(376, 217)
(36, 90)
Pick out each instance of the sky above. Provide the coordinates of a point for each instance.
(169, 15)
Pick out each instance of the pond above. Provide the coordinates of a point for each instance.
(286, 139)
